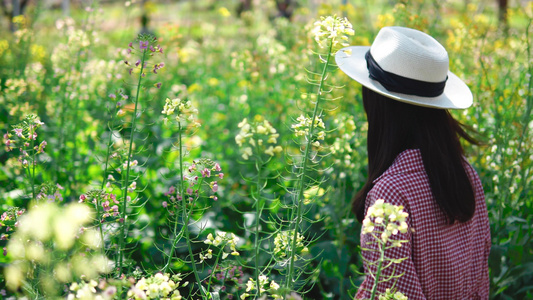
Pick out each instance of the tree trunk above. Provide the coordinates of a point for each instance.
(344, 2)
(502, 12)
(15, 12)
(65, 5)
(244, 5)
(285, 8)
(16, 9)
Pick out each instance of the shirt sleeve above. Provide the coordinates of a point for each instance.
(408, 283)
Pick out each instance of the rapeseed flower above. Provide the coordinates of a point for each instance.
(259, 138)
(332, 28)
(181, 110)
(386, 220)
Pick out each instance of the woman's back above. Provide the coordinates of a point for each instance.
(443, 261)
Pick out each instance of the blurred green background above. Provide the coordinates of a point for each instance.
(248, 59)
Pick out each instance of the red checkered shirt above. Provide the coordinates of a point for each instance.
(443, 261)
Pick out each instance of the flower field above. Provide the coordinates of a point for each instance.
(214, 154)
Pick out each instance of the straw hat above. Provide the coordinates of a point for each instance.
(406, 65)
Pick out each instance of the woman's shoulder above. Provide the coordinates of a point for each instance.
(407, 163)
(404, 179)
(390, 188)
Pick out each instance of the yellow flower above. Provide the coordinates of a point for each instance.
(274, 286)
(270, 151)
(250, 285)
(20, 19)
(224, 12)
(4, 45)
(261, 129)
(334, 29)
(14, 276)
(255, 134)
(176, 295)
(212, 81)
(247, 152)
(384, 20)
(385, 219)
(243, 296)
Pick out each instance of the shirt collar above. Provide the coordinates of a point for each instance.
(408, 161)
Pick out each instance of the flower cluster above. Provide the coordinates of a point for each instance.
(25, 136)
(120, 102)
(313, 193)
(262, 287)
(303, 128)
(385, 219)
(9, 220)
(201, 172)
(106, 204)
(92, 290)
(52, 246)
(332, 28)
(223, 239)
(120, 162)
(158, 286)
(390, 295)
(182, 110)
(224, 273)
(147, 44)
(258, 137)
(345, 144)
(50, 192)
(283, 244)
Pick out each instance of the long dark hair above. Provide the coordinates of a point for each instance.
(393, 127)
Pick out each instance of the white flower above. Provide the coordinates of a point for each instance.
(274, 286)
(182, 109)
(332, 28)
(252, 136)
(243, 296)
(247, 152)
(385, 219)
(250, 285)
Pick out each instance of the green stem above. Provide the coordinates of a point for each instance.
(186, 218)
(181, 189)
(105, 179)
(378, 272)
(214, 268)
(126, 180)
(257, 198)
(28, 176)
(109, 140)
(33, 162)
(61, 144)
(98, 219)
(302, 175)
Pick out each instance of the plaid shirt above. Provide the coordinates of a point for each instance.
(443, 261)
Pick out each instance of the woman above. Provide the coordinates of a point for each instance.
(416, 160)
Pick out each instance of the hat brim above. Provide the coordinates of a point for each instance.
(456, 95)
